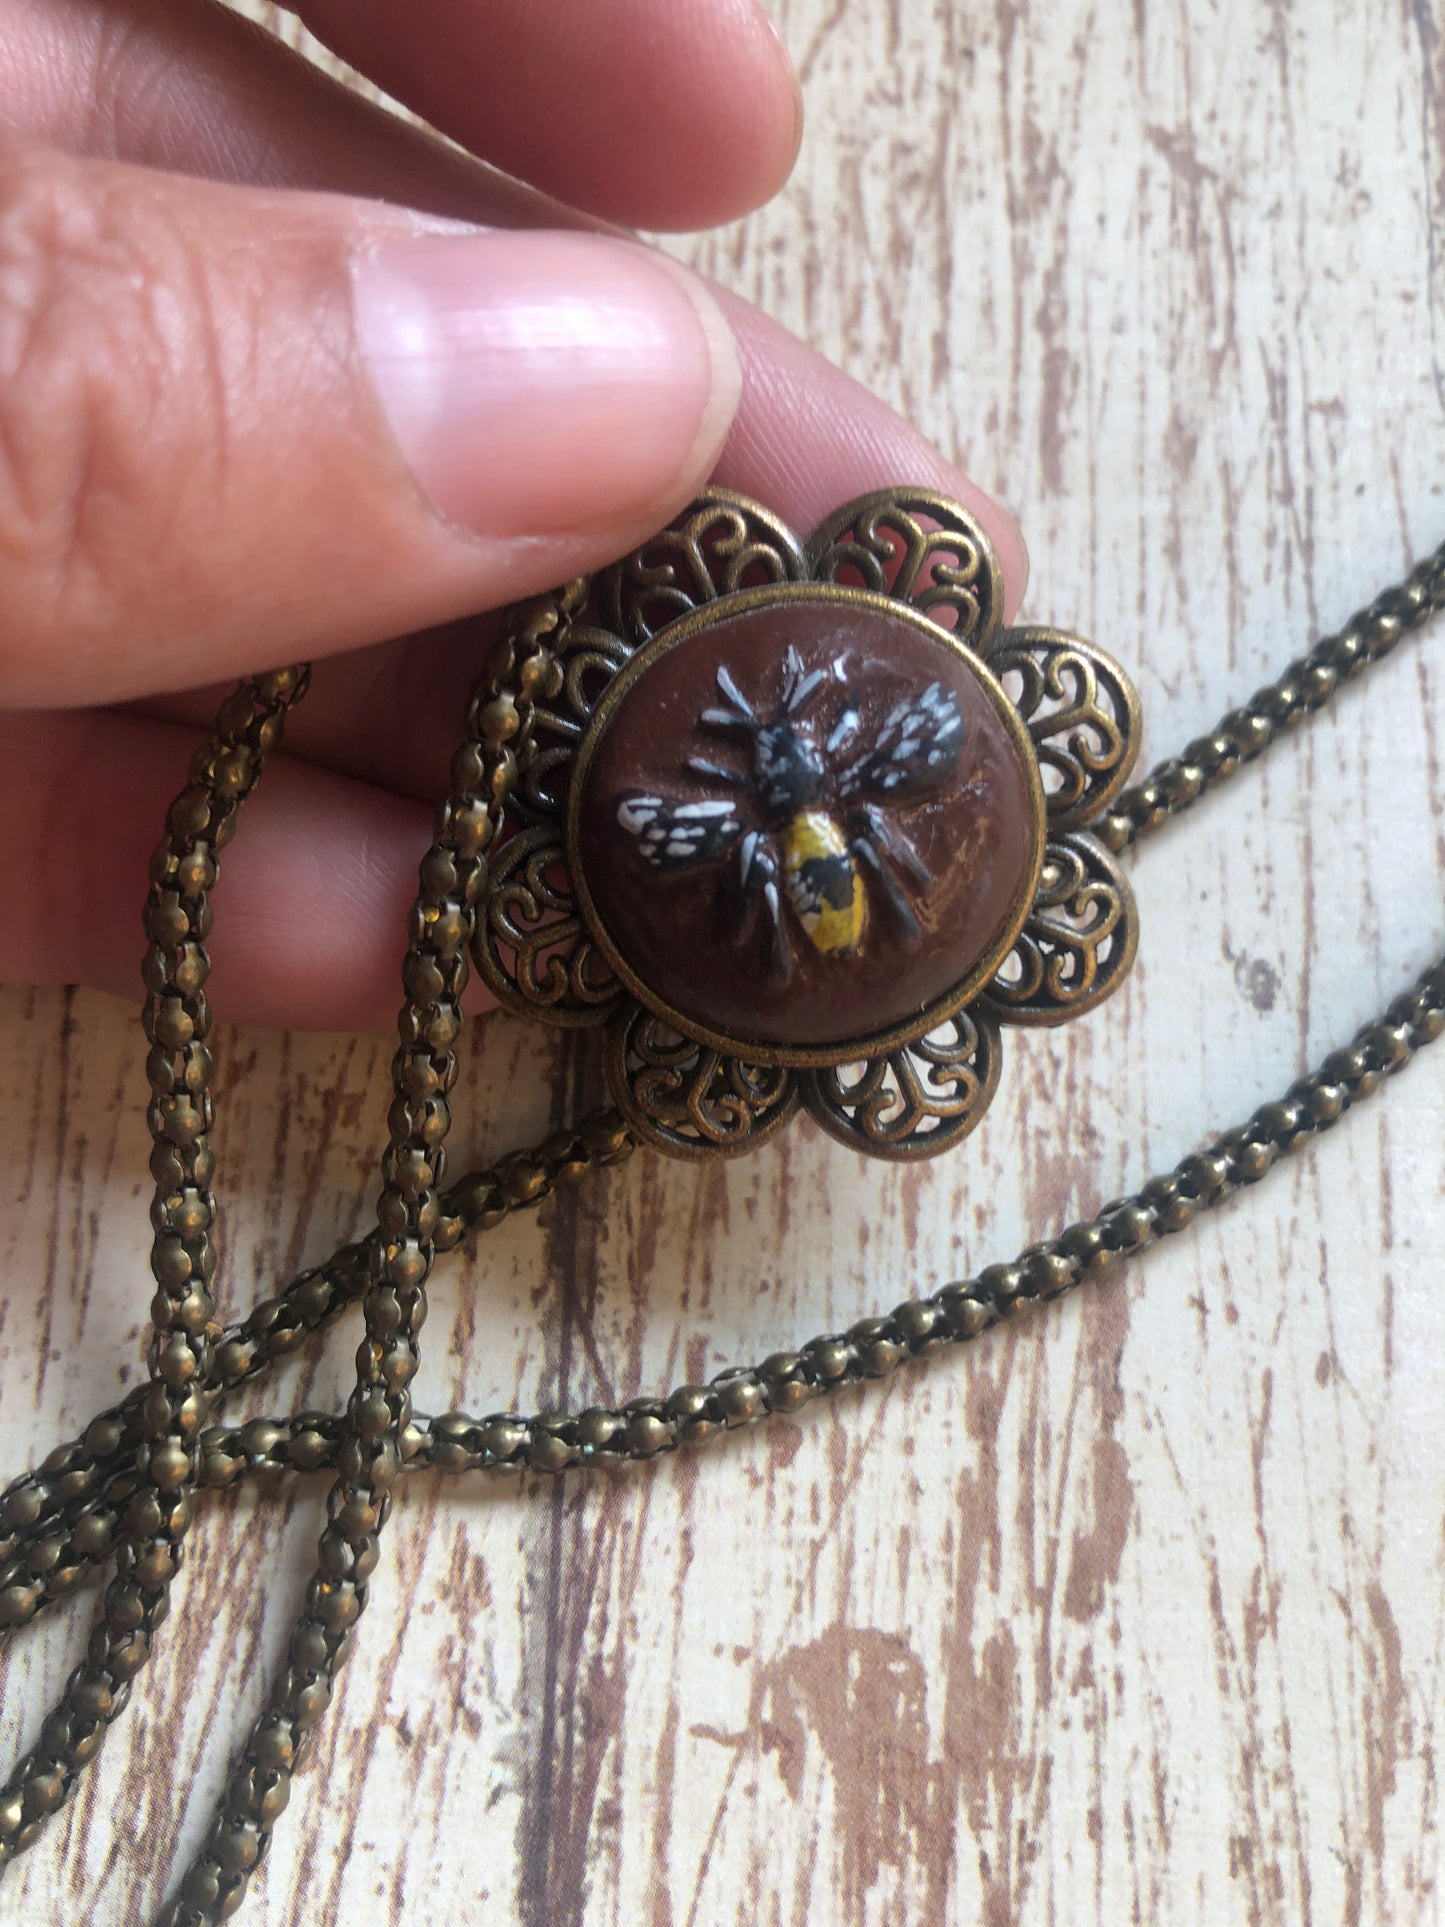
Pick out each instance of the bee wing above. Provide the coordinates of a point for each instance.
(916, 748)
(674, 836)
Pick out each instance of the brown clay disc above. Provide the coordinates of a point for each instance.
(903, 776)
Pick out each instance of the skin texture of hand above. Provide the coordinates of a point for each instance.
(283, 377)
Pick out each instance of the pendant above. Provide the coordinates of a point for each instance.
(803, 825)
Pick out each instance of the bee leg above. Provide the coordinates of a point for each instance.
(750, 883)
(893, 843)
(844, 730)
(700, 766)
(802, 696)
(742, 709)
(781, 958)
(792, 675)
(868, 853)
(758, 876)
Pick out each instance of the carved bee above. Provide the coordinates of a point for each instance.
(812, 821)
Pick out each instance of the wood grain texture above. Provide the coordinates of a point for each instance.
(1136, 1610)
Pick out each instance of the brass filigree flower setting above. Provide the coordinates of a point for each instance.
(802, 825)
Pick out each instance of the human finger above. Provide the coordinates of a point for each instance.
(805, 440)
(659, 113)
(314, 890)
(234, 105)
(239, 423)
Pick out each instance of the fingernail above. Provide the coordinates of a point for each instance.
(545, 383)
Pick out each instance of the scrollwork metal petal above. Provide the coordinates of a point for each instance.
(914, 1102)
(1077, 943)
(723, 543)
(920, 548)
(689, 1100)
(530, 943)
(1082, 714)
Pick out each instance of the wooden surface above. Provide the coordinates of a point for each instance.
(1136, 1611)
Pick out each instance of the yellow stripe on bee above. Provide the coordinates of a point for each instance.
(823, 883)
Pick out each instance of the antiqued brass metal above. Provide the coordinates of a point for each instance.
(1078, 940)
(916, 1102)
(689, 1098)
(1070, 714)
(120, 1495)
(848, 602)
(894, 541)
(1082, 715)
(724, 543)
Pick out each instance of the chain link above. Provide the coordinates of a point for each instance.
(452, 880)
(60, 1518)
(122, 1491)
(151, 1528)
(1306, 686)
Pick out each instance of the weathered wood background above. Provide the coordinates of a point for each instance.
(1137, 1610)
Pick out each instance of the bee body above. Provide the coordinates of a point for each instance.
(823, 883)
(807, 818)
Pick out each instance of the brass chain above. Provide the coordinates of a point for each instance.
(63, 1515)
(1177, 783)
(644, 1428)
(452, 880)
(122, 1491)
(150, 1531)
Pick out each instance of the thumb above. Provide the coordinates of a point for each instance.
(241, 427)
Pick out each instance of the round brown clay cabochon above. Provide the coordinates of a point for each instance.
(804, 818)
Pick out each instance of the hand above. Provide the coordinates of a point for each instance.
(282, 377)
